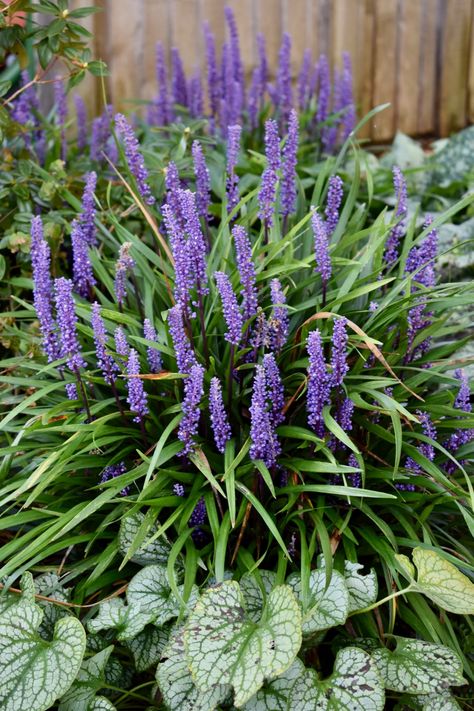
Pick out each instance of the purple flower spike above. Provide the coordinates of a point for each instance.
(83, 275)
(391, 246)
(178, 489)
(429, 430)
(319, 386)
(163, 108)
(196, 246)
(421, 259)
(254, 99)
(153, 355)
(303, 80)
(219, 419)
(339, 352)
(275, 390)
(213, 84)
(236, 63)
(279, 322)
(321, 249)
(184, 353)
(324, 95)
(283, 81)
(193, 392)
(288, 181)
(203, 181)
(262, 64)
(134, 158)
(121, 345)
(267, 194)
(232, 314)
(137, 397)
(88, 212)
(173, 190)
(178, 82)
(125, 263)
(113, 471)
(265, 444)
(246, 268)
(67, 319)
(344, 414)
(333, 203)
(43, 289)
(347, 97)
(105, 361)
(233, 146)
(81, 120)
(183, 271)
(195, 100)
(199, 513)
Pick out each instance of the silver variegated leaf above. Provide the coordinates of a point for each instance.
(50, 586)
(354, 685)
(100, 703)
(36, 672)
(362, 589)
(150, 590)
(441, 701)
(147, 647)
(176, 683)
(224, 646)
(126, 619)
(274, 695)
(418, 667)
(252, 592)
(326, 606)
(90, 679)
(146, 553)
(443, 583)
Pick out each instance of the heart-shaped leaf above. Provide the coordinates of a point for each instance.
(133, 535)
(91, 677)
(100, 703)
(325, 607)
(418, 667)
(441, 701)
(443, 583)
(354, 685)
(176, 683)
(362, 589)
(128, 620)
(223, 645)
(36, 672)
(150, 591)
(147, 647)
(274, 695)
(251, 587)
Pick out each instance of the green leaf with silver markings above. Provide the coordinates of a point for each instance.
(126, 619)
(145, 553)
(150, 591)
(443, 583)
(147, 647)
(441, 701)
(274, 695)
(91, 677)
(252, 591)
(362, 589)
(325, 607)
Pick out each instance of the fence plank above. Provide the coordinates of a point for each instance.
(428, 73)
(470, 117)
(408, 76)
(454, 65)
(157, 28)
(385, 67)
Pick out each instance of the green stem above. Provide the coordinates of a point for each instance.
(384, 600)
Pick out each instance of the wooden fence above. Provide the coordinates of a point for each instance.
(416, 54)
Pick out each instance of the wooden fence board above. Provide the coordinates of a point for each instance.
(454, 65)
(385, 67)
(408, 75)
(428, 74)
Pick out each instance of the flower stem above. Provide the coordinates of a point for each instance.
(384, 600)
(80, 383)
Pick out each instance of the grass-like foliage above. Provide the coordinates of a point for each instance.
(232, 381)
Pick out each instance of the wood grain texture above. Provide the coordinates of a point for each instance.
(416, 54)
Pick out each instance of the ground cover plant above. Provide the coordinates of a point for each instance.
(237, 433)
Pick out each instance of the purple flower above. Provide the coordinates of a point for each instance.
(344, 414)
(339, 364)
(267, 194)
(196, 246)
(324, 95)
(153, 355)
(199, 514)
(178, 489)
(112, 471)
(83, 274)
(283, 80)
(179, 91)
(288, 181)
(193, 392)
(319, 386)
(262, 63)
(71, 391)
(203, 181)
(333, 203)
(254, 99)
(275, 390)
(261, 332)
(173, 190)
(125, 263)
(163, 108)
(346, 97)
(67, 319)
(195, 99)
(137, 397)
(237, 72)
(81, 120)
(219, 419)
(462, 402)
(43, 290)
(213, 85)
(232, 314)
(303, 80)
(134, 158)
(87, 216)
(185, 358)
(279, 322)
(391, 246)
(105, 361)
(421, 259)
(429, 430)
(321, 248)
(265, 444)
(61, 112)
(233, 146)
(246, 268)
(354, 479)
(121, 345)
(183, 280)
